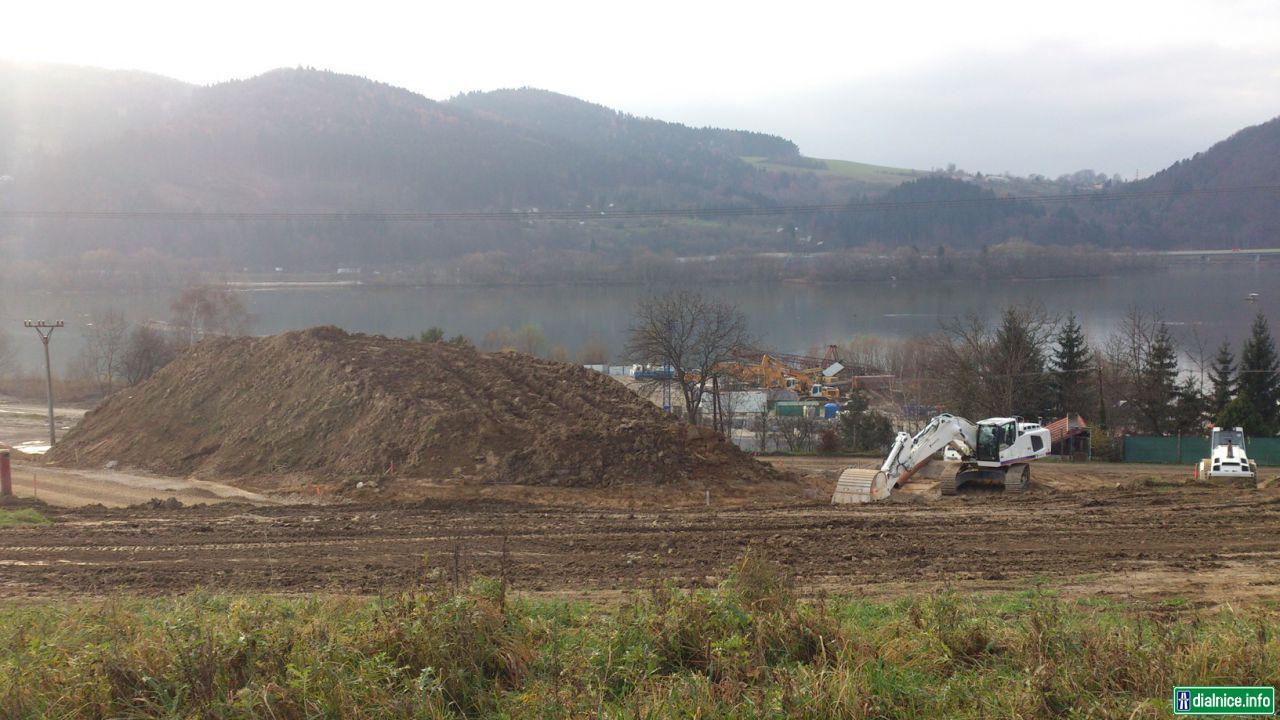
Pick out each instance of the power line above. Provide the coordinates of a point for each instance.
(1035, 373)
(585, 215)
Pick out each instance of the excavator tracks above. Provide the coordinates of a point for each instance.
(1017, 478)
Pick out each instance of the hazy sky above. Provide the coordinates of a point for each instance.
(1022, 86)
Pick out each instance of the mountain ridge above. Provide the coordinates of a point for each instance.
(305, 139)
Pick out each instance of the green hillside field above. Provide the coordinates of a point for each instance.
(861, 172)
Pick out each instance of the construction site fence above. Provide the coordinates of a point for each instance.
(1188, 450)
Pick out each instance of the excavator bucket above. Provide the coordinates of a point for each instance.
(857, 485)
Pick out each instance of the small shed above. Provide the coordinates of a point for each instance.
(1070, 437)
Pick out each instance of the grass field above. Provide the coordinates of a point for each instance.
(746, 649)
(21, 516)
(862, 172)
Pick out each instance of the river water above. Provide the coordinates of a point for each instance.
(1208, 300)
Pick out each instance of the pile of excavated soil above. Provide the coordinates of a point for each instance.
(325, 404)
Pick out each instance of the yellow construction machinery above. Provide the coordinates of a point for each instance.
(791, 372)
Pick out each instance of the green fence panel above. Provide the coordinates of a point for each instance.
(1189, 450)
(1194, 449)
(1149, 449)
(1263, 450)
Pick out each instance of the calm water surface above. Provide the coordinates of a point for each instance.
(791, 318)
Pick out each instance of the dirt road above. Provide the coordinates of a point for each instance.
(74, 488)
(1150, 540)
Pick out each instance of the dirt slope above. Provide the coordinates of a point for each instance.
(328, 405)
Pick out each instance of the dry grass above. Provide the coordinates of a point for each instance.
(32, 388)
(748, 649)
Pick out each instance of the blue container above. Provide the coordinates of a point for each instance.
(830, 410)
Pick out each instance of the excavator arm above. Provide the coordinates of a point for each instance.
(908, 454)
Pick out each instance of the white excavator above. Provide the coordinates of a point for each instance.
(996, 449)
(1227, 459)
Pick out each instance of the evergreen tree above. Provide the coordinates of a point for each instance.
(1259, 384)
(1015, 365)
(1190, 407)
(1239, 413)
(1223, 376)
(1071, 369)
(862, 428)
(1157, 382)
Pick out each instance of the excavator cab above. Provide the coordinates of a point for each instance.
(994, 437)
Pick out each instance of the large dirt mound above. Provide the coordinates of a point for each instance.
(327, 404)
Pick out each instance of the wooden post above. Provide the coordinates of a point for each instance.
(6, 478)
(717, 415)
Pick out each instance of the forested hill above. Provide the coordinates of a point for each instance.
(1248, 159)
(936, 211)
(49, 111)
(1224, 197)
(304, 138)
(618, 134)
(300, 139)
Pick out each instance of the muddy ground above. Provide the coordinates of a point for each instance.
(25, 423)
(1109, 530)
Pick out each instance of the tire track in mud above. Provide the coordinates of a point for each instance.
(986, 540)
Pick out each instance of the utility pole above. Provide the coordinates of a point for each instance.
(45, 328)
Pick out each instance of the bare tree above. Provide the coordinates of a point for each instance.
(958, 356)
(530, 340)
(202, 310)
(1198, 350)
(102, 356)
(593, 352)
(497, 340)
(729, 411)
(760, 428)
(871, 351)
(796, 432)
(147, 351)
(1120, 372)
(691, 335)
(996, 370)
(1129, 345)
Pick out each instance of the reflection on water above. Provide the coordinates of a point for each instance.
(1210, 301)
